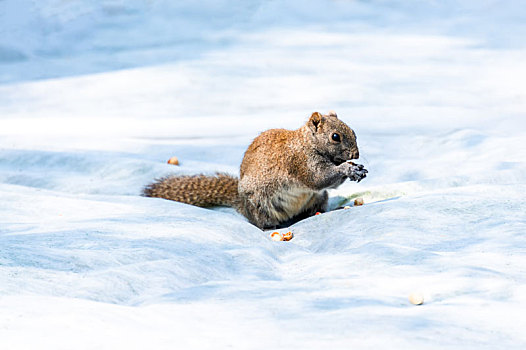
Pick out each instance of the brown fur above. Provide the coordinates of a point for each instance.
(199, 190)
(283, 176)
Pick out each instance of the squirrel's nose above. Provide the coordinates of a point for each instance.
(355, 154)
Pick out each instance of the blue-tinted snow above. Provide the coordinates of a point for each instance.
(96, 96)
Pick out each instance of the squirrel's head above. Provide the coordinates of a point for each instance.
(333, 138)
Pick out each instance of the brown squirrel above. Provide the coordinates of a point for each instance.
(284, 174)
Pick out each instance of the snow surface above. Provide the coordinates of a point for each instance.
(96, 96)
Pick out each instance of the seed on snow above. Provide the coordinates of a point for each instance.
(276, 236)
(416, 298)
(287, 236)
(173, 161)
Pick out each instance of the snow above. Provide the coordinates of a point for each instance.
(96, 96)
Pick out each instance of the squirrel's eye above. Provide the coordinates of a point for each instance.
(336, 137)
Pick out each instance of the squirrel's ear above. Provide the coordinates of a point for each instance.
(332, 114)
(315, 120)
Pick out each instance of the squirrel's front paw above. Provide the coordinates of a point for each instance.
(356, 172)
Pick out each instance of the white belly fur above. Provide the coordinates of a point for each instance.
(289, 203)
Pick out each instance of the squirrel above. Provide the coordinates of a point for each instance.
(284, 175)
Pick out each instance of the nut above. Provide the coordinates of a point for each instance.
(173, 161)
(416, 298)
(287, 236)
(276, 236)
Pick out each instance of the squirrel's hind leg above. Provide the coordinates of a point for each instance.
(318, 203)
(264, 215)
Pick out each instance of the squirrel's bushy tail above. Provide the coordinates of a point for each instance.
(199, 190)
